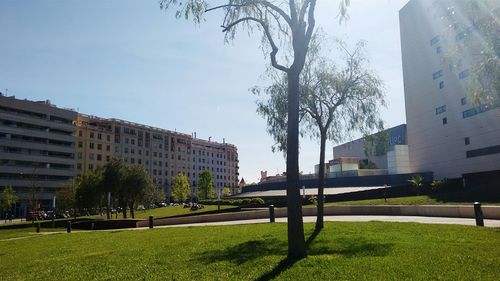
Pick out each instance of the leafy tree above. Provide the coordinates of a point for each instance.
(112, 180)
(205, 186)
(477, 40)
(135, 183)
(8, 199)
(291, 22)
(334, 103)
(66, 196)
(153, 195)
(226, 192)
(180, 187)
(88, 193)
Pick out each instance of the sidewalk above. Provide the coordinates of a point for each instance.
(427, 220)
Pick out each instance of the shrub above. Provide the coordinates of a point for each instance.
(257, 201)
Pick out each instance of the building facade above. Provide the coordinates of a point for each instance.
(163, 153)
(447, 133)
(37, 150)
(386, 150)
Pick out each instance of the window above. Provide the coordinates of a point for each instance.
(108, 138)
(108, 148)
(464, 74)
(483, 151)
(438, 50)
(80, 133)
(132, 141)
(80, 144)
(91, 135)
(99, 157)
(140, 152)
(440, 109)
(99, 146)
(126, 140)
(126, 150)
(132, 151)
(91, 156)
(445, 121)
(108, 158)
(441, 84)
(467, 141)
(437, 74)
(79, 166)
(132, 160)
(91, 166)
(99, 136)
(80, 155)
(463, 101)
(91, 145)
(139, 161)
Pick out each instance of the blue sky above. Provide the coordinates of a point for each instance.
(130, 60)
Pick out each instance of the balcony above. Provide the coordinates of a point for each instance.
(37, 121)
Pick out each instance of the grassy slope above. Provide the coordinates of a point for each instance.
(355, 251)
(410, 200)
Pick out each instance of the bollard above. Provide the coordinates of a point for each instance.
(53, 222)
(38, 228)
(92, 226)
(68, 227)
(271, 213)
(479, 214)
(150, 221)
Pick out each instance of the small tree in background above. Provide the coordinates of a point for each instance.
(153, 195)
(8, 199)
(226, 192)
(180, 187)
(66, 196)
(135, 183)
(205, 186)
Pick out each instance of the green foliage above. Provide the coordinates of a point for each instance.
(367, 164)
(437, 185)
(417, 182)
(205, 186)
(9, 198)
(226, 192)
(66, 196)
(88, 193)
(477, 24)
(180, 187)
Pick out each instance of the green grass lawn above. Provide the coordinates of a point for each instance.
(345, 251)
(25, 232)
(412, 200)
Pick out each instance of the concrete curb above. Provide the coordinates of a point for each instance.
(452, 211)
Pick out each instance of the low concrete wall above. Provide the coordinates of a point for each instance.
(490, 212)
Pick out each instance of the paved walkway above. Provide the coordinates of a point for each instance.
(428, 220)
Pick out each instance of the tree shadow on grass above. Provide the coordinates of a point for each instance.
(239, 254)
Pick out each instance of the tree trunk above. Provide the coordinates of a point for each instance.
(132, 212)
(124, 211)
(296, 241)
(321, 183)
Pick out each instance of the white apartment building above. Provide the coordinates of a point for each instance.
(447, 133)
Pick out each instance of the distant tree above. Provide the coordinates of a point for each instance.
(153, 195)
(112, 180)
(8, 199)
(205, 186)
(135, 183)
(226, 192)
(334, 103)
(180, 187)
(66, 196)
(88, 193)
(291, 22)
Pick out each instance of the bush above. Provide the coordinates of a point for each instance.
(258, 201)
(437, 185)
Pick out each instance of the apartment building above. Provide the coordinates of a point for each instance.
(94, 143)
(37, 150)
(448, 134)
(163, 153)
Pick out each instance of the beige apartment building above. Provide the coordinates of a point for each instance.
(163, 153)
(447, 133)
(37, 150)
(94, 143)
